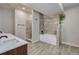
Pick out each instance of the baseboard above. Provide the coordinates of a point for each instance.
(34, 41)
(70, 44)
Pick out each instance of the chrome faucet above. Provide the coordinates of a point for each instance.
(3, 36)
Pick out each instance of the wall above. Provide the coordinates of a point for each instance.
(29, 26)
(35, 26)
(7, 20)
(41, 23)
(51, 25)
(70, 27)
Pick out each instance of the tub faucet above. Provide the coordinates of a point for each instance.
(42, 32)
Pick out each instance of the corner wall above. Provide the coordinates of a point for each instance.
(70, 27)
(7, 20)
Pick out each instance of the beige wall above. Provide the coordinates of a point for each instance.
(70, 27)
(7, 20)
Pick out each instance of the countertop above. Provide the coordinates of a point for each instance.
(10, 43)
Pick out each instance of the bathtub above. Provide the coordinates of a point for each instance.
(48, 38)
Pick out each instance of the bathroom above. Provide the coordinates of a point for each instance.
(29, 24)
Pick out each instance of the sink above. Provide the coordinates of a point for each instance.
(11, 42)
(7, 43)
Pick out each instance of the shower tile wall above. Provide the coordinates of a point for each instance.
(49, 25)
(41, 23)
(29, 27)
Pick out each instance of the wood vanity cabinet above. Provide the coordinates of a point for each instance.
(17, 51)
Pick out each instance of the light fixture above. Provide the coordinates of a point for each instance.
(23, 8)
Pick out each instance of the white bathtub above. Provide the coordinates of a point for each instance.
(48, 38)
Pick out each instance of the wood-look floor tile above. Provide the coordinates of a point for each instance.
(41, 48)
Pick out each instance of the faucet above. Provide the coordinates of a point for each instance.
(3, 36)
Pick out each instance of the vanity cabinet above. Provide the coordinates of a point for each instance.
(17, 51)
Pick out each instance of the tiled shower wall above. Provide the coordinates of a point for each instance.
(41, 23)
(49, 25)
(29, 27)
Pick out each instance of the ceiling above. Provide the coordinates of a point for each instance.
(48, 9)
(51, 9)
(15, 6)
(69, 5)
